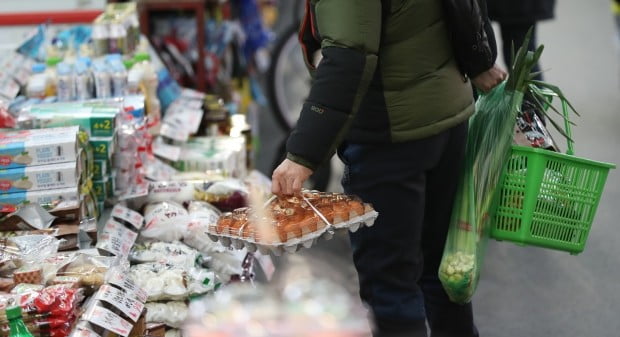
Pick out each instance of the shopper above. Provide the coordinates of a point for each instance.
(389, 95)
(515, 17)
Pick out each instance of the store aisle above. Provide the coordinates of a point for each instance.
(529, 291)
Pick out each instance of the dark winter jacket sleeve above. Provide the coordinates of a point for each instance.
(349, 34)
(472, 35)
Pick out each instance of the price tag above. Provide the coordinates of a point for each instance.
(116, 297)
(116, 238)
(84, 332)
(136, 191)
(130, 216)
(8, 87)
(110, 321)
(122, 281)
(184, 117)
(174, 132)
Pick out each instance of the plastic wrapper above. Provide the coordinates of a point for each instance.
(23, 256)
(530, 129)
(289, 223)
(165, 221)
(90, 270)
(172, 314)
(167, 282)
(301, 309)
(51, 311)
(176, 254)
(226, 195)
(223, 261)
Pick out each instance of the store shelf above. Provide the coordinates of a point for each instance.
(145, 7)
(57, 17)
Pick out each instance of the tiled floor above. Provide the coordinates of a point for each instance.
(528, 291)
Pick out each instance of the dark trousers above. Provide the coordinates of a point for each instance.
(514, 34)
(412, 186)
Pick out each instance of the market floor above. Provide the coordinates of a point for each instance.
(530, 291)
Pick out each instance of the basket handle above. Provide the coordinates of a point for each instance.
(567, 128)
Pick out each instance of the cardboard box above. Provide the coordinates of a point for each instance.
(98, 121)
(38, 147)
(42, 177)
(101, 168)
(103, 147)
(100, 188)
(49, 199)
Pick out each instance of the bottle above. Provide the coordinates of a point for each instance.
(37, 83)
(83, 83)
(65, 87)
(118, 74)
(103, 85)
(149, 81)
(16, 322)
(51, 62)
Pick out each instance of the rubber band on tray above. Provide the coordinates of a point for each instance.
(319, 214)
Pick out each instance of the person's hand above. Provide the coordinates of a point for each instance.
(489, 79)
(289, 177)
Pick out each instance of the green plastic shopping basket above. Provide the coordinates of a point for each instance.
(548, 199)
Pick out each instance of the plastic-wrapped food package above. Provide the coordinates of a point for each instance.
(175, 253)
(51, 311)
(289, 223)
(165, 221)
(226, 195)
(166, 282)
(172, 314)
(89, 270)
(22, 257)
(223, 261)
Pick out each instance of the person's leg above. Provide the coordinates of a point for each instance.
(445, 318)
(514, 34)
(388, 256)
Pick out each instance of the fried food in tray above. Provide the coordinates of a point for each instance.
(295, 220)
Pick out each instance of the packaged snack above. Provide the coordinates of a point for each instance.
(223, 261)
(29, 275)
(38, 147)
(166, 221)
(226, 195)
(90, 270)
(203, 212)
(28, 217)
(97, 121)
(172, 314)
(43, 177)
(288, 223)
(175, 253)
(164, 281)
